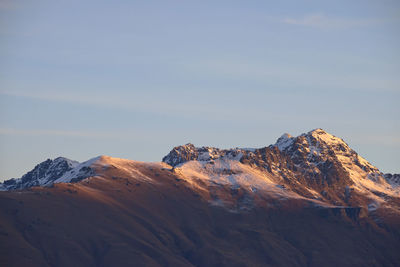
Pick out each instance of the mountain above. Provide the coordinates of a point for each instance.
(308, 200)
(315, 165)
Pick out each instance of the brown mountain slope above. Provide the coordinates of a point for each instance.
(143, 214)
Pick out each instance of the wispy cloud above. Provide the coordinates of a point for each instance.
(293, 75)
(180, 107)
(323, 21)
(53, 132)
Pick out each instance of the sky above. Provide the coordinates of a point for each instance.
(133, 79)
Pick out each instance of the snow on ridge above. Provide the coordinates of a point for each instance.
(96, 167)
(366, 177)
(181, 154)
(393, 179)
(227, 172)
(80, 171)
(232, 173)
(285, 141)
(71, 163)
(326, 137)
(249, 149)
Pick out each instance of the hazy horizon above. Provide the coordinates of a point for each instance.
(133, 79)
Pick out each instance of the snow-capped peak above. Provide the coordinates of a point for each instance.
(323, 136)
(80, 171)
(317, 137)
(43, 174)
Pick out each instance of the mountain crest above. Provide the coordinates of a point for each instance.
(314, 164)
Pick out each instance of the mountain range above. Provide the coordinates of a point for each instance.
(308, 200)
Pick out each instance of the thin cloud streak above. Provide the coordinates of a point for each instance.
(245, 112)
(53, 132)
(325, 22)
(392, 140)
(101, 134)
(180, 108)
(291, 75)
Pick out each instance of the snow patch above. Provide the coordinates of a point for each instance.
(226, 172)
(285, 141)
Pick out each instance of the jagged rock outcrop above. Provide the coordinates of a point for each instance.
(43, 174)
(188, 152)
(393, 179)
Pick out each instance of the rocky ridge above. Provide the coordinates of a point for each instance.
(315, 165)
(44, 174)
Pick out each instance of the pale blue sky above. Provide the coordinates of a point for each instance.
(132, 79)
